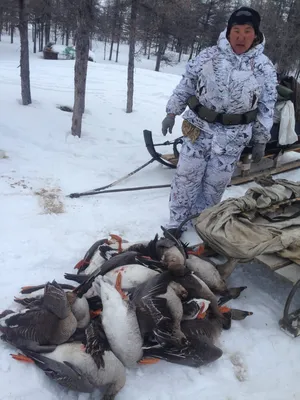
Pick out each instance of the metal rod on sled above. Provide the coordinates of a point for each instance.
(97, 190)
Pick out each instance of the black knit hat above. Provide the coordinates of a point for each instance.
(242, 16)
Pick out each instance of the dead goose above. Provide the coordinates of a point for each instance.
(98, 253)
(132, 275)
(137, 265)
(164, 250)
(79, 304)
(207, 271)
(201, 333)
(197, 288)
(120, 324)
(82, 368)
(51, 323)
(94, 257)
(200, 348)
(198, 352)
(32, 296)
(159, 308)
(167, 250)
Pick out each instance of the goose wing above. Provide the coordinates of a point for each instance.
(30, 302)
(64, 373)
(199, 352)
(152, 310)
(96, 341)
(125, 258)
(33, 325)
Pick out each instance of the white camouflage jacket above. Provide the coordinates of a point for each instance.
(226, 82)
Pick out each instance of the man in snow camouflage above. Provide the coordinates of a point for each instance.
(231, 92)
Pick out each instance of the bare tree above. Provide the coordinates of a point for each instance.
(116, 12)
(24, 53)
(81, 64)
(85, 11)
(132, 41)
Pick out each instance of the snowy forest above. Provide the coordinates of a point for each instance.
(183, 26)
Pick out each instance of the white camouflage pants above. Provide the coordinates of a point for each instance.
(200, 179)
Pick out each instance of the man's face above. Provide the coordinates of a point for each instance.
(241, 38)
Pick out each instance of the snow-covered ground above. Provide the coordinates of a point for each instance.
(44, 163)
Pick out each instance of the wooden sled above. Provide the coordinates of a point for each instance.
(245, 171)
(290, 321)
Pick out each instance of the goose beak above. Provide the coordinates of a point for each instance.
(199, 251)
(21, 357)
(148, 361)
(224, 309)
(30, 289)
(118, 239)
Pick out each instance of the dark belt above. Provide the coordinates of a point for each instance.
(224, 119)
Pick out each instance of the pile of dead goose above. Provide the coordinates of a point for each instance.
(132, 304)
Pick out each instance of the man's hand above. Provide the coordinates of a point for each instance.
(168, 124)
(258, 151)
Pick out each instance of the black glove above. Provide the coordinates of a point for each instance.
(168, 123)
(258, 151)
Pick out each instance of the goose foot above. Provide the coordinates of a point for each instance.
(148, 361)
(118, 239)
(21, 357)
(118, 286)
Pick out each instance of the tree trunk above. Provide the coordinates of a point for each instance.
(132, 40)
(81, 63)
(105, 42)
(67, 37)
(1, 21)
(12, 33)
(160, 53)
(114, 26)
(192, 51)
(55, 32)
(41, 42)
(111, 48)
(180, 54)
(47, 30)
(47, 19)
(34, 37)
(118, 47)
(119, 29)
(199, 46)
(149, 49)
(24, 53)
